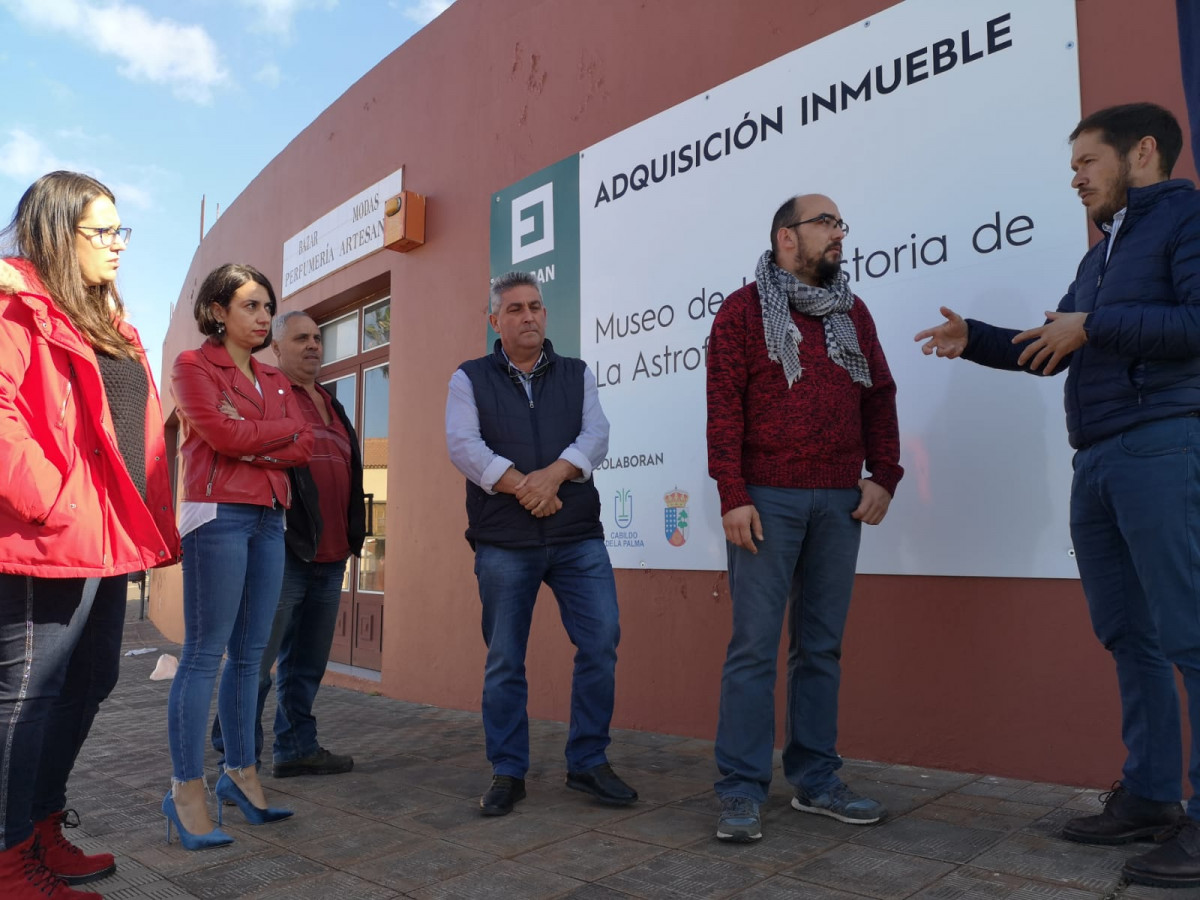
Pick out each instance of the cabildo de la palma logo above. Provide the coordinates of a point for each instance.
(533, 223)
(675, 517)
(623, 516)
(624, 507)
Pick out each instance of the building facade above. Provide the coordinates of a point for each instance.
(980, 673)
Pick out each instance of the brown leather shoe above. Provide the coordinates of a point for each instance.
(1126, 818)
(1175, 864)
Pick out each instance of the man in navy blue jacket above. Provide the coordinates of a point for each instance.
(1129, 330)
(524, 425)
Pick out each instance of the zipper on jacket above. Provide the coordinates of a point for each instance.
(537, 449)
(260, 405)
(289, 439)
(71, 376)
(212, 473)
(62, 413)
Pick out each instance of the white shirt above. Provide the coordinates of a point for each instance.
(1111, 229)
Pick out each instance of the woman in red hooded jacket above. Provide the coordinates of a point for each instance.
(84, 500)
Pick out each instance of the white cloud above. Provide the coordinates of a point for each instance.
(269, 74)
(425, 11)
(161, 51)
(275, 16)
(23, 157)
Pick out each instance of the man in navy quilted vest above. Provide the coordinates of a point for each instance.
(1128, 332)
(524, 425)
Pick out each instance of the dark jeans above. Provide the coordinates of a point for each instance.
(1135, 524)
(60, 653)
(581, 577)
(804, 568)
(301, 637)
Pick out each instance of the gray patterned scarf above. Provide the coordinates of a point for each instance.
(778, 290)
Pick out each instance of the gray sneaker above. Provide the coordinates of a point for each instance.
(842, 804)
(739, 820)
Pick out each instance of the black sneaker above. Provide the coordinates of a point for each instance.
(1126, 818)
(320, 763)
(1175, 864)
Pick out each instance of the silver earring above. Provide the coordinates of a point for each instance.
(220, 329)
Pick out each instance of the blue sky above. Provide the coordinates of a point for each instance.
(166, 102)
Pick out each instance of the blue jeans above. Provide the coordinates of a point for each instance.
(60, 653)
(232, 569)
(581, 577)
(301, 637)
(1135, 524)
(805, 565)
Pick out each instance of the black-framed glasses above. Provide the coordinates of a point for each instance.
(105, 237)
(824, 219)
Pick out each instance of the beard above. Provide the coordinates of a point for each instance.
(1117, 197)
(827, 270)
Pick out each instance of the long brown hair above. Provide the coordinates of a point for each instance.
(43, 230)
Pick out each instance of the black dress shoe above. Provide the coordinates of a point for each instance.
(1126, 818)
(320, 763)
(1174, 864)
(500, 797)
(603, 784)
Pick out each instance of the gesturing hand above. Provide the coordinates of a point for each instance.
(948, 339)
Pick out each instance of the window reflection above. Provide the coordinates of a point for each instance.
(339, 339)
(371, 568)
(377, 324)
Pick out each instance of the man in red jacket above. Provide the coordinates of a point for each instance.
(799, 398)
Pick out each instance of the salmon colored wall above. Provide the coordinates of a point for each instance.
(995, 675)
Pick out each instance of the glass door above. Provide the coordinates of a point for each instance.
(356, 370)
(372, 565)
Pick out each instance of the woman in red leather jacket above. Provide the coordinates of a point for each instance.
(239, 433)
(85, 499)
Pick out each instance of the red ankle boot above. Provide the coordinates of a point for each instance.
(23, 876)
(63, 858)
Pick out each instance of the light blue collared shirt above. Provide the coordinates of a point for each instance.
(476, 460)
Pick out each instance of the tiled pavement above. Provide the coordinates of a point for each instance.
(405, 822)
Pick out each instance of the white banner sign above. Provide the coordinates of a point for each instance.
(939, 128)
(341, 236)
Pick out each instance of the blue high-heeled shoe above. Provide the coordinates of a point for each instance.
(227, 790)
(215, 838)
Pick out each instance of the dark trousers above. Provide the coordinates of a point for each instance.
(60, 653)
(301, 638)
(1135, 523)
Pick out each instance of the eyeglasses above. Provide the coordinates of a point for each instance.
(105, 237)
(824, 219)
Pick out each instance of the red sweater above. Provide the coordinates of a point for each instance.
(819, 433)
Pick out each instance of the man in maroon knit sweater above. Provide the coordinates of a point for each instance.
(799, 399)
